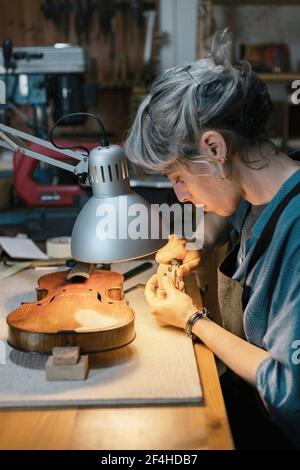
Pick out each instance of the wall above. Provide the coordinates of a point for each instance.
(258, 24)
(179, 20)
(263, 24)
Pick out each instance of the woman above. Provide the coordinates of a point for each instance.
(204, 126)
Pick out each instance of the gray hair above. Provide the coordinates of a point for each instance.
(210, 93)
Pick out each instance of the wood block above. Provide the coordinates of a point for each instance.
(67, 372)
(170, 270)
(68, 355)
(80, 270)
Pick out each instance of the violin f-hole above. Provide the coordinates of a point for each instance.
(41, 293)
(115, 293)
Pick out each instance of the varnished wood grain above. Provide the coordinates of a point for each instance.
(140, 428)
(216, 421)
(37, 430)
(90, 313)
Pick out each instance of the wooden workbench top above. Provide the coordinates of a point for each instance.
(133, 428)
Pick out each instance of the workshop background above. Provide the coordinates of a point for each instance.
(100, 57)
(121, 47)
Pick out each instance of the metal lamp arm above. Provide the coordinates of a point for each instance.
(11, 139)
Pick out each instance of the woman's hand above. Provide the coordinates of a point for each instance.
(176, 249)
(171, 306)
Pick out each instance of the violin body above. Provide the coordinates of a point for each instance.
(90, 313)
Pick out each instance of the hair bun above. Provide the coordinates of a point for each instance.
(221, 47)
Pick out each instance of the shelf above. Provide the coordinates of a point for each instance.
(257, 2)
(279, 77)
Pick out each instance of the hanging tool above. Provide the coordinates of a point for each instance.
(88, 9)
(66, 10)
(58, 11)
(137, 7)
(83, 16)
(120, 62)
(46, 8)
(7, 53)
(105, 12)
(52, 10)
(78, 20)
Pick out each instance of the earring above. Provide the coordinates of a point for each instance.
(225, 158)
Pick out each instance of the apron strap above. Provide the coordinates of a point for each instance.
(266, 236)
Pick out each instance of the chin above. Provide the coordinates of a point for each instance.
(224, 212)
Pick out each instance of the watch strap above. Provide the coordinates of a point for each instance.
(202, 313)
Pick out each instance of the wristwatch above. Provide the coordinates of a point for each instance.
(202, 313)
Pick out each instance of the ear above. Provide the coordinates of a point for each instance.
(213, 144)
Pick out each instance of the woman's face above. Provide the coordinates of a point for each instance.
(218, 195)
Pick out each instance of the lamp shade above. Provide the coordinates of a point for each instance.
(116, 224)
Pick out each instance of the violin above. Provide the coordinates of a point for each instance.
(87, 312)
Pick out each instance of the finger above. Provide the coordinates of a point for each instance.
(192, 255)
(151, 288)
(181, 286)
(175, 248)
(187, 268)
(193, 265)
(192, 259)
(183, 271)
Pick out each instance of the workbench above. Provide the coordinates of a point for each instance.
(173, 427)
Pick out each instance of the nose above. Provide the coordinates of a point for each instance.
(182, 195)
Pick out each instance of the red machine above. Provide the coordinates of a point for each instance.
(35, 193)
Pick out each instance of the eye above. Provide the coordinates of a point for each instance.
(178, 180)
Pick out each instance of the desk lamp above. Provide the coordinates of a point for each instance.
(105, 170)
